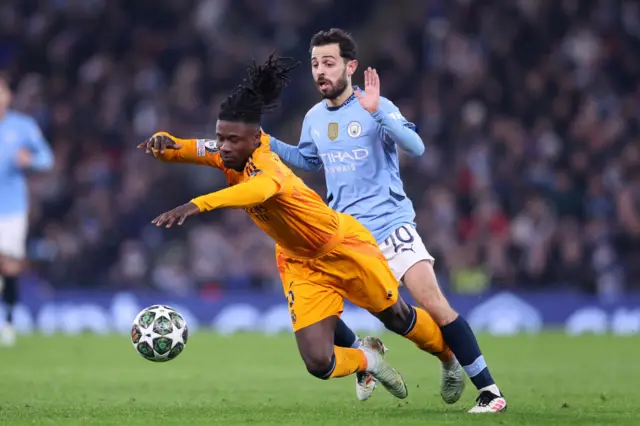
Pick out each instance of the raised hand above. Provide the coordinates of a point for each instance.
(370, 99)
(179, 214)
(158, 143)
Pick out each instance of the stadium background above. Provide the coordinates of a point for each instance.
(528, 194)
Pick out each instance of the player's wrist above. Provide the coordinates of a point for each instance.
(200, 203)
(377, 115)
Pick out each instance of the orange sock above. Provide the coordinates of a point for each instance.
(348, 361)
(427, 336)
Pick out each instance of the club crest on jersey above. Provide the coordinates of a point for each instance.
(206, 145)
(354, 129)
(332, 131)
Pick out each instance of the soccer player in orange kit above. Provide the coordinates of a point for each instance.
(323, 256)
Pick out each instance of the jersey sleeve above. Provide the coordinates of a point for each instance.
(42, 155)
(266, 164)
(396, 130)
(304, 156)
(203, 152)
(266, 176)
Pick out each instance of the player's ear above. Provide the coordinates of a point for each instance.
(352, 65)
(257, 137)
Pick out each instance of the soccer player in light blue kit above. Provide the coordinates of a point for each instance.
(22, 149)
(355, 136)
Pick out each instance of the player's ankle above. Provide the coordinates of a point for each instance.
(491, 388)
(373, 359)
(449, 363)
(446, 357)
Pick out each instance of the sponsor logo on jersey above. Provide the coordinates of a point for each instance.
(343, 161)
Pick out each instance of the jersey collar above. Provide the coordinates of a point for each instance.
(345, 103)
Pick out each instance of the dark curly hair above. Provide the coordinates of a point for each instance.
(247, 103)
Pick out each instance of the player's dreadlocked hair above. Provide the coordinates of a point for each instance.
(248, 103)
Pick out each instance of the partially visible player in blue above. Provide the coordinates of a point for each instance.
(355, 135)
(22, 149)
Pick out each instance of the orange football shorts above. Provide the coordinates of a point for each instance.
(355, 270)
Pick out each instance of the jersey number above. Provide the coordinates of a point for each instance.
(401, 240)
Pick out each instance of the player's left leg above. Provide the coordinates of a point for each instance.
(411, 262)
(314, 316)
(346, 338)
(315, 311)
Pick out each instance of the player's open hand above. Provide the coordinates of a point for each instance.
(179, 214)
(159, 143)
(370, 99)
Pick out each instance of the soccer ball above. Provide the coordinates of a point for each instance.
(159, 333)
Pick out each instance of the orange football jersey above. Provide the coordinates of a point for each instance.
(277, 200)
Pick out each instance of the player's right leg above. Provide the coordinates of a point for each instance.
(411, 263)
(13, 231)
(9, 271)
(422, 283)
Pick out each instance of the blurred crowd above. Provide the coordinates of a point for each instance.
(529, 109)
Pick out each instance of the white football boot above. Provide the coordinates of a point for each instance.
(452, 381)
(365, 385)
(7, 335)
(365, 382)
(381, 370)
(490, 400)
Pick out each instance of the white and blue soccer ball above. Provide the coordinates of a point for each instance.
(159, 333)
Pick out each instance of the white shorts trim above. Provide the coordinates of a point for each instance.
(13, 235)
(403, 249)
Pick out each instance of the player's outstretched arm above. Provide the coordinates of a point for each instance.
(304, 156)
(250, 193)
(246, 194)
(395, 128)
(168, 148)
(292, 156)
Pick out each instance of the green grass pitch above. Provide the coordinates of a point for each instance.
(549, 379)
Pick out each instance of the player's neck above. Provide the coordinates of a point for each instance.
(333, 103)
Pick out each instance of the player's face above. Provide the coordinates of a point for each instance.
(331, 73)
(236, 142)
(5, 96)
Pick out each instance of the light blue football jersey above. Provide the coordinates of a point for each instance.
(359, 154)
(18, 131)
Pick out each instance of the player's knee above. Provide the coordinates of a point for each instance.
(10, 267)
(421, 282)
(319, 365)
(397, 318)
